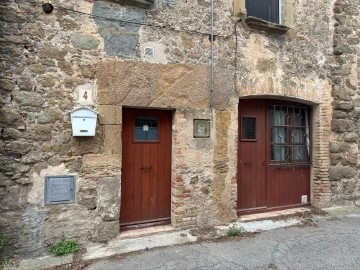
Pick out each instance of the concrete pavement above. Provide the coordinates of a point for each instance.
(333, 242)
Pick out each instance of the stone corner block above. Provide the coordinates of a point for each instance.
(112, 139)
(239, 8)
(105, 231)
(110, 115)
(109, 198)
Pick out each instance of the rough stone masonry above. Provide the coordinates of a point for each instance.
(47, 60)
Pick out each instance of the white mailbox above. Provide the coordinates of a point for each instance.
(83, 122)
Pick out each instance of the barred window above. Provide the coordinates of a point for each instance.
(290, 135)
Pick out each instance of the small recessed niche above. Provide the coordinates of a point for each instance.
(201, 128)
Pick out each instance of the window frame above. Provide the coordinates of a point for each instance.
(277, 14)
(242, 128)
(134, 128)
(289, 143)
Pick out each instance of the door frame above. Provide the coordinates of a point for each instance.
(270, 102)
(160, 221)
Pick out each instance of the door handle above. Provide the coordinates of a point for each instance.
(145, 168)
(248, 163)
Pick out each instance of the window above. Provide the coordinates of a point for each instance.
(290, 135)
(268, 10)
(248, 128)
(146, 129)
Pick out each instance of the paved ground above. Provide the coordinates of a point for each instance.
(332, 243)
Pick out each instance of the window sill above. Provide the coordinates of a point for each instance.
(259, 24)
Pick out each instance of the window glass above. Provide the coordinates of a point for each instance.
(146, 129)
(248, 127)
(267, 10)
(278, 153)
(290, 139)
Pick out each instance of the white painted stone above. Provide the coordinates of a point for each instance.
(121, 246)
(159, 52)
(84, 94)
(43, 262)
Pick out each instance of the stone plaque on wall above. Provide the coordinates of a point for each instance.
(59, 189)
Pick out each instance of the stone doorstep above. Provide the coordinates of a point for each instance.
(146, 231)
(274, 214)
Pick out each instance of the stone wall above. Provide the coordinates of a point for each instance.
(98, 46)
(345, 74)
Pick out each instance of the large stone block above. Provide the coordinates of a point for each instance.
(338, 172)
(336, 147)
(120, 39)
(341, 125)
(105, 231)
(85, 42)
(112, 139)
(86, 145)
(15, 198)
(9, 116)
(109, 198)
(52, 53)
(29, 98)
(39, 132)
(110, 115)
(133, 83)
(50, 115)
(7, 84)
(102, 165)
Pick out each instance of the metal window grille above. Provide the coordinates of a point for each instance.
(290, 141)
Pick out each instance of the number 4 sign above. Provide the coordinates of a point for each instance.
(85, 95)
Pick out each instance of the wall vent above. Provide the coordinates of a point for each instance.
(149, 52)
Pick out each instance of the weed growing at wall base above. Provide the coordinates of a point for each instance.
(5, 260)
(2, 242)
(65, 248)
(234, 230)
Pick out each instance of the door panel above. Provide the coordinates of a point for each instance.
(265, 179)
(146, 174)
(251, 166)
(286, 185)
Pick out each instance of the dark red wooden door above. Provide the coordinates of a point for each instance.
(273, 155)
(251, 157)
(146, 170)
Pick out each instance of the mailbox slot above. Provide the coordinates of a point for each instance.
(83, 122)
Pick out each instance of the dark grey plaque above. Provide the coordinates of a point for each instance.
(59, 189)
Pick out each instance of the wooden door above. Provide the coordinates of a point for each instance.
(146, 169)
(251, 156)
(273, 155)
